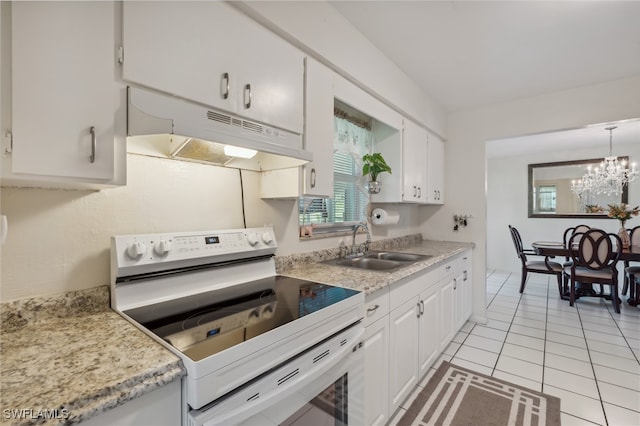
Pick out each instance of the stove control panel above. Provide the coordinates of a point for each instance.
(159, 248)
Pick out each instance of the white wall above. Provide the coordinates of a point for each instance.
(507, 202)
(468, 132)
(60, 240)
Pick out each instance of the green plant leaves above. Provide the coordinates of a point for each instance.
(374, 164)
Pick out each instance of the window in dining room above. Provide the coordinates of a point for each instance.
(546, 198)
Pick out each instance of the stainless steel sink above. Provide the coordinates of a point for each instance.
(399, 257)
(380, 261)
(369, 263)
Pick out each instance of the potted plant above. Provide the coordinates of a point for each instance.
(373, 165)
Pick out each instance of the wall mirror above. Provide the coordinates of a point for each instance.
(551, 194)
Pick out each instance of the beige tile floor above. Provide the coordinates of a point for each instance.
(586, 355)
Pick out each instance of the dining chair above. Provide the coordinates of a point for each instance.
(631, 271)
(535, 266)
(567, 234)
(594, 254)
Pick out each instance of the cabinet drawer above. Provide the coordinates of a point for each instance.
(448, 268)
(376, 306)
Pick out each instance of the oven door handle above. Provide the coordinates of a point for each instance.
(221, 415)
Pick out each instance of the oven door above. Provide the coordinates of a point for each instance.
(323, 385)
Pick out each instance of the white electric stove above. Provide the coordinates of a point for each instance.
(258, 347)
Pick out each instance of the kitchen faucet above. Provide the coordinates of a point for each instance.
(357, 226)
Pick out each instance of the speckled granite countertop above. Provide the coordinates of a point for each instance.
(307, 266)
(72, 353)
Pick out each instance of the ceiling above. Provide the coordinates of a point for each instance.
(468, 54)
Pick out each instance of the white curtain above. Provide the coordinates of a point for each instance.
(355, 141)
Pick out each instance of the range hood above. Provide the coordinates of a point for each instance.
(171, 127)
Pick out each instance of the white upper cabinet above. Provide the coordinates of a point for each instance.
(314, 179)
(318, 129)
(177, 47)
(435, 158)
(64, 96)
(414, 163)
(407, 156)
(213, 54)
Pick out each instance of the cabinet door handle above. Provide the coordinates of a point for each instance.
(419, 311)
(415, 191)
(448, 268)
(375, 308)
(225, 85)
(421, 307)
(419, 192)
(455, 283)
(313, 180)
(464, 276)
(92, 158)
(247, 91)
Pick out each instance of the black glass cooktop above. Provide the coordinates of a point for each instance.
(207, 323)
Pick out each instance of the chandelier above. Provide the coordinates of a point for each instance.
(608, 178)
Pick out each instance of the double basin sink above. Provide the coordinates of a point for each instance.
(380, 261)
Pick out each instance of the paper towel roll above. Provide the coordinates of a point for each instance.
(385, 217)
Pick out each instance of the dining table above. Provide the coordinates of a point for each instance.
(557, 248)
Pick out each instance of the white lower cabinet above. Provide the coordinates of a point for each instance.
(376, 366)
(462, 290)
(161, 407)
(459, 300)
(447, 304)
(429, 341)
(404, 335)
(415, 327)
(455, 299)
(407, 327)
(466, 298)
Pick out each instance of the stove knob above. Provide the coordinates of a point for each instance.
(136, 250)
(267, 237)
(162, 247)
(253, 239)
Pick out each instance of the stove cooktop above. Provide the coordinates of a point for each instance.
(207, 323)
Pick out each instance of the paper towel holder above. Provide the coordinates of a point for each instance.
(382, 217)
